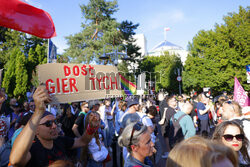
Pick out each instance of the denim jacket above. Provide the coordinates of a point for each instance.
(132, 162)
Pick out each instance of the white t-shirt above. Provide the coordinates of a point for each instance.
(145, 119)
(148, 123)
(102, 113)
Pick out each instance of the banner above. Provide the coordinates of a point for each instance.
(78, 82)
(52, 52)
(23, 17)
(239, 94)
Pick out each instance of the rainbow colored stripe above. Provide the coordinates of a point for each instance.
(128, 87)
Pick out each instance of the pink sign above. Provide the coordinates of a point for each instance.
(239, 94)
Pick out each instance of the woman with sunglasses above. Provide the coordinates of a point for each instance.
(231, 134)
(136, 138)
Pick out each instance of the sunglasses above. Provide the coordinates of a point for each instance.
(49, 123)
(136, 127)
(239, 137)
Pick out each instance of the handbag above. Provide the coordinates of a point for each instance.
(100, 155)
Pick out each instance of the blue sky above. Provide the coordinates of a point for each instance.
(184, 17)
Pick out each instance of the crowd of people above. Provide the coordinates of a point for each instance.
(183, 131)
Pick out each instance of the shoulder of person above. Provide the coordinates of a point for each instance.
(6, 147)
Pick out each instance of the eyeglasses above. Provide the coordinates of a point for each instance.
(230, 103)
(136, 127)
(239, 137)
(49, 124)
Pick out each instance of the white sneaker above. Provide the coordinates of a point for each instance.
(165, 155)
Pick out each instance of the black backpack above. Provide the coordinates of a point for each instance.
(177, 133)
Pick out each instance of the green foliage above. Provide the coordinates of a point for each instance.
(41, 53)
(100, 30)
(9, 40)
(19, 55)
(9, 79)
(21, 76)
(127, 28)
(123, 70)
(16, 78)
(62, 59)
(163, 71)
(217, 56)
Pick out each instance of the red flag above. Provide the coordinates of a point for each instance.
(23, 17)
(166, 29)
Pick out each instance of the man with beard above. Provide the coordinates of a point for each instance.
(39, 144)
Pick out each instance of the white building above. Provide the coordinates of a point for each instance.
(141, 41)
(163, 46)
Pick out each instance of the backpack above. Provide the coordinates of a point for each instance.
(177, 133)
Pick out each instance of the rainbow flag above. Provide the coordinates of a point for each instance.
(128, 87)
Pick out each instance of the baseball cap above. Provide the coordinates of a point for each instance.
(132, 101)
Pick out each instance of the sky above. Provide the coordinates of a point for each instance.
(185, 18)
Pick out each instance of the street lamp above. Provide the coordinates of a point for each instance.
(115, 53)
(179, 79)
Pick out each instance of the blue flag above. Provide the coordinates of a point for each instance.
(248, 67)
(248, 73)
(52, 52)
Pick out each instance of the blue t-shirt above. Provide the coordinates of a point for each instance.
(201, 106)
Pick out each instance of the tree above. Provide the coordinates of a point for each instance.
(100, 31)
(21, 76)
(12, 44)
(9, 79)
(99, 28)
(217, 56)
(127, 28)
(163, 71)
(9, 40)
(41, 54)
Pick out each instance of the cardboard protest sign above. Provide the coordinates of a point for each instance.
(78, 82)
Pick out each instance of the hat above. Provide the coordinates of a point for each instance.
(133, 101)
(46, 113)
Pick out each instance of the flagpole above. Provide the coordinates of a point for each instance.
(48, 52)
(49, 107)
(165, 35)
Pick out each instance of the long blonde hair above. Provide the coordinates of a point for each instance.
(199, 152)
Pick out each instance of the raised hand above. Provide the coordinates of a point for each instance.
(41, 98)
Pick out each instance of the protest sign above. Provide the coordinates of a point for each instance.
(239, 93)
(78, 82)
